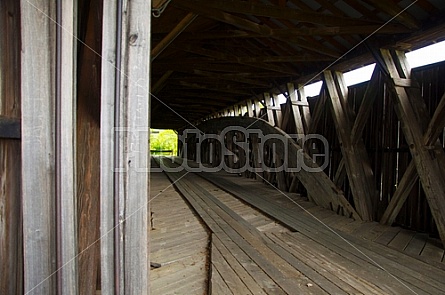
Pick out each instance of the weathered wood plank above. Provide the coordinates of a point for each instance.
(229, 276)
(37, 85)
(134, 145)
(87, 147)
(11, 231)
(107, 165)
(66, 161)
(403, 267)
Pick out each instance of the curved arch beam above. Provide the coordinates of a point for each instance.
(325, 193)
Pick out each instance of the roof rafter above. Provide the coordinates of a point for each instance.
(251, 26)
(277, 12)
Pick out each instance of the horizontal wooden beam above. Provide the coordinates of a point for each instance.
(393, 10)
(213, 88)
(249, 25)
(234, 78)
(278, 12)
(292, 32)
(10, 128)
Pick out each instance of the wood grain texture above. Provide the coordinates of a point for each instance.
(11, 251)
(38, 60)
(133, 146)
(88, 145)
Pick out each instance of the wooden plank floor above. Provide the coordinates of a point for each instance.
(178, 241)
(418, 245)
(310, 258)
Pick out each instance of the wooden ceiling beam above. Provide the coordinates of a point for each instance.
(188, 85)
(161, 82)
(227, 82)
(314, 31)
(393, 10)
(277, 12)
(177, 30)
(235, 78)
(179, 94)
(239, 60)
(304, 57)
(158, 3)
(250, 26)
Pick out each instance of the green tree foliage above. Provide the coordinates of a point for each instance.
(163, 140)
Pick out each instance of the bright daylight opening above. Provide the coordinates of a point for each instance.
(163, 142)
(417, 58)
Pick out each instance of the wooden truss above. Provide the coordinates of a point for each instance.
(355, 157)
(421, 134)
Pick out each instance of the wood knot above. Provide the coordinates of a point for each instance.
(133, 39)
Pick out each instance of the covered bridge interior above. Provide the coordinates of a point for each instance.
(273, 190)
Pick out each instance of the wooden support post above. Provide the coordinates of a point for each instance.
(278, 113)
(356, 160)
(428, 160)
(256, 103)
(107, 144)
(66, 142)
(360, 121)
(319, 110)
(295, 109)
(269, 107)
(38, 190)
(410, 176)
(304, 108)
(124, 150)
(249, 105)
(135, 116)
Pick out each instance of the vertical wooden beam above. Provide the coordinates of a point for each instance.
(133, 151)
(278, 113)
(249, 108)
(11, 254)
(38, 52)
(304, 108)
(355, 155)
(269, 109)
(107, 133)
(67, 143)
(428, 160)
(295, 109)
(256, 103)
